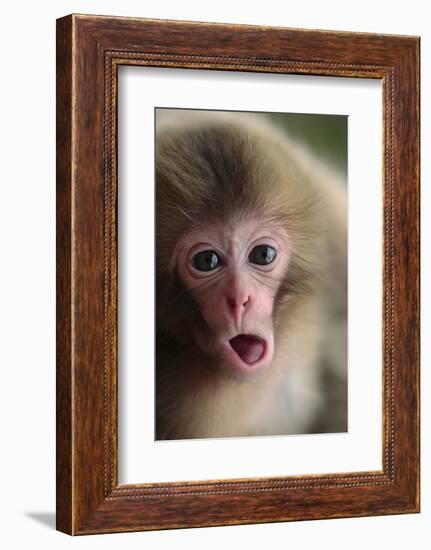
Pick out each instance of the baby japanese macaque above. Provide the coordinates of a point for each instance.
(251, 291)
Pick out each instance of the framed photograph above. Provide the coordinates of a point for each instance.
(237, 274)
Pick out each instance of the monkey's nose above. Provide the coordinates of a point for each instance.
(237, 307)
(237, 303)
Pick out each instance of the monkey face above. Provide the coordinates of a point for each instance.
(233, 271)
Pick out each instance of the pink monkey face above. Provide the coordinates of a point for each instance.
(233, 272)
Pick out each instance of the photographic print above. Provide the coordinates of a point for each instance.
(178, 353)
(251, 273)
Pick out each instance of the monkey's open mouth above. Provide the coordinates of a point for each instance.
(249, 347)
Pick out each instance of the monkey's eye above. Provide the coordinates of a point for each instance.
(262, 254)
(207, 260)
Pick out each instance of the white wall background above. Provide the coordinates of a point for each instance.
(27, 280)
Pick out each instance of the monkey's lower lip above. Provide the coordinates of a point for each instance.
(249, 347)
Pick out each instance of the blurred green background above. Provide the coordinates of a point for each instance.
(325, 135)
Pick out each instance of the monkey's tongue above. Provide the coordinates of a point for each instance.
(250, 348)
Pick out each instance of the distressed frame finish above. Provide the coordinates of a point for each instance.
(89, 51)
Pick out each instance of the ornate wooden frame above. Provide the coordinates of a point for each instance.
(89, 51)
